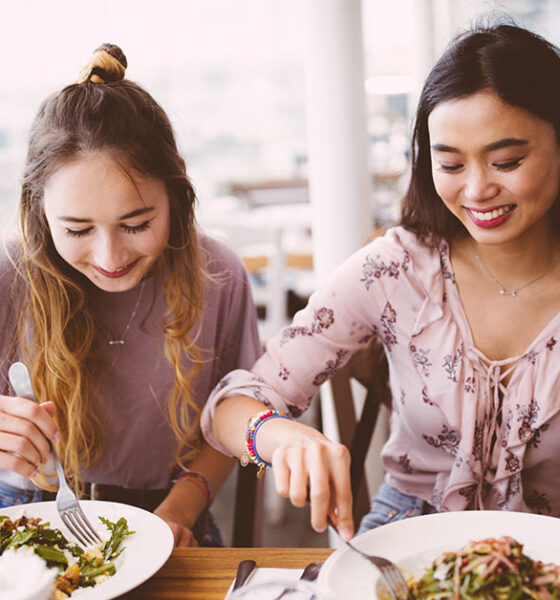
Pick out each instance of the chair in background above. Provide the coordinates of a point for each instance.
(368, 367)
(249, 508)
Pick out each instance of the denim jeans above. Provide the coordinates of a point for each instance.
(389, 505)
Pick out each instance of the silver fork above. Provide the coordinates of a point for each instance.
(67, 504)
(396, 583)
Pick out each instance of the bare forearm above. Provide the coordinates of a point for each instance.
(230, 421)
(187, 498)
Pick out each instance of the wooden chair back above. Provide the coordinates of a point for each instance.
(248, 508)
(370, 368)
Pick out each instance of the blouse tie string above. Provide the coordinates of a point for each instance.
(495, 392)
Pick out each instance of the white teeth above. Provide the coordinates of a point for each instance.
(494, 214)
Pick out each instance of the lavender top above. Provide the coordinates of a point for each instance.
(460, 438)
(140, 446)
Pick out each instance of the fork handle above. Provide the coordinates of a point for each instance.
(351, 546)
(20, 380)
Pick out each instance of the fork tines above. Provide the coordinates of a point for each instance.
(78, 524)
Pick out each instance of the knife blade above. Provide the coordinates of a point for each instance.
(245, 570)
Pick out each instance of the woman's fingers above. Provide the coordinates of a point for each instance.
(181, 535)
(319, 486)
(26, 428)
(342, 491)
(318, 471)
(17, 461)
(330, 490)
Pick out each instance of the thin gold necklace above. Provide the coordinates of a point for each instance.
(120, 340)
(513, 293)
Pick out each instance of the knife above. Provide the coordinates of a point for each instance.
(245, 570)
(311, 572)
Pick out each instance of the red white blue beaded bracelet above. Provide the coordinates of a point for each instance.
(251, 454)
(200, 481)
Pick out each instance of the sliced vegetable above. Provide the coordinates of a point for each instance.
(490, 568)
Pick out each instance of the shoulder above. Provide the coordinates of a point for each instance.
(399, 245)
(223, 266)
(218, 256)
(397, 240)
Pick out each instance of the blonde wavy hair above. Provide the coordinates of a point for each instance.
(56, 329)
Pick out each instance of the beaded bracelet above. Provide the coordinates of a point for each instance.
(253, 425)
(201, 482)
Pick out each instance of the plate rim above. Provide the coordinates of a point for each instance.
(142, 575)
(327, 572)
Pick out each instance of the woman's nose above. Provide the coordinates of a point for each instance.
(109, 253)
(479, 186)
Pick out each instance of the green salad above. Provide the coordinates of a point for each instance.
(78, 567)
(485, 569)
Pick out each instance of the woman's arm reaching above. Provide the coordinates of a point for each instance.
(306, 465)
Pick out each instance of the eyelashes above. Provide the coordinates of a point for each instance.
(78, 233)
(136, 228)
(509, 165)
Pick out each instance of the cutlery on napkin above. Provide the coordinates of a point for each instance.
(245, 570)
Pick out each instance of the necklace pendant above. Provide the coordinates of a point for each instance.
(115, 342)
(504, 292)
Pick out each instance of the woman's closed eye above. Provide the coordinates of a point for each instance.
(126, 228)
(447, 168)
(135, 228)
(508, 165)
(78, 232)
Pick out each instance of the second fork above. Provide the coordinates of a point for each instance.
(392, 575)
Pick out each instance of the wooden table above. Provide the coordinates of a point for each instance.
(206, 573)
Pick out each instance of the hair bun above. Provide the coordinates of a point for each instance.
(108, 63)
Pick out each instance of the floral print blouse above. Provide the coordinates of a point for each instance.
(460, 438)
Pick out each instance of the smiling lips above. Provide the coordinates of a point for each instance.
(118, 273)
(491, 217)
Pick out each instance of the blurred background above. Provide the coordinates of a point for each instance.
(234, 77)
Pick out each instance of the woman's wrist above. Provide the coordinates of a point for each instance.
(254, 425)
(200, 482)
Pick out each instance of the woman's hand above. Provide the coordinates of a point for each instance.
(182, 535)
(187, 500)
(308, 467)
(26, 431)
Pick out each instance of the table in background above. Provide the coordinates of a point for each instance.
(206, 573)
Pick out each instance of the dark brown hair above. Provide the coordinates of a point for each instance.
(519, 66)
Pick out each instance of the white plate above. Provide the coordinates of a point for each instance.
(414, 542)
(144, 553)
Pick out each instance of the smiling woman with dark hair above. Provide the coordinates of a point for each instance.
(464, 295)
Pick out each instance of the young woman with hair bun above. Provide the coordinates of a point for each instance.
(125, 313)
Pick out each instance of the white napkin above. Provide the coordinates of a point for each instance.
(262, 575)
